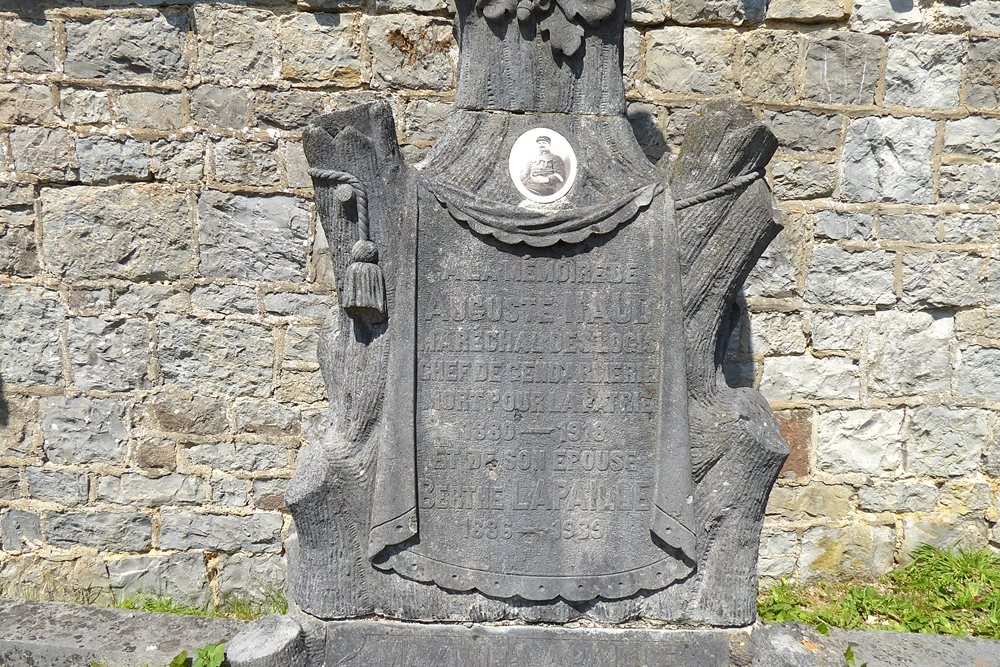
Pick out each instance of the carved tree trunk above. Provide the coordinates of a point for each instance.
(330, 493)
(736, 449)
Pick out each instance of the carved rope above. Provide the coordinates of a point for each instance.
(724, 189)
(359, 191)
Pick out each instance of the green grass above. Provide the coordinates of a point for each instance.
(238, 607)
(941, 591)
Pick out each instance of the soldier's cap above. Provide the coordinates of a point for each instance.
(541, 138)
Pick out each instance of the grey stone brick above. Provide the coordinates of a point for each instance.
(150, 110)
(30, 323)
(978, 372)
(795, 10)
(831, 331)
(111, 355)
(778, 553)
(774, 334)
(83, 430)
(10, 484)
(83, 578)
(256, 577)
(177, 161)
(649, 12)
(907, 353)
(179, 411)
(683, 61)
(776, 273)
(288, 304)
(908, 227)
(924, 71)
(128, 48)
(137, 232)
(905, 496)
(889, 160)
(26, 103)
(973, 135)
(181, 577)
(81, 106)
(287, 109)
(969, 228)
(229, 491)
(769, 60)
(944, 531)
(965, 497)
(30, 45)
(324, 47)
(855, 551)
(142, 299)
(970, 183)
(943, 279)
(236, 43)
(18, 252)
(256, 238)
(860, 441)
(814, 501)
(229, 358)
(804, 131)
(840, 277)
(48, 153)
(736, 12)
(412, 52)
(269, 494)
(885, 17)
(797, 378)
(802, 180)
(215, 106)
(267, 418)
(17, 529)
(982, 78)
(107, 160)
(185, 529)
(225, 299)
(245, 163)
(67, 487)
(842, 67)
(843, 225)
(104, 530)
(248, 457)
(21, 433)
(981, 15)
(140, 491)
(945, 441)
(296, 166)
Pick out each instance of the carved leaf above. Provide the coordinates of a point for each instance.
(564, 36)
(495, 9)
(591, 11)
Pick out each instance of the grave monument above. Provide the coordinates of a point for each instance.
(529, 423)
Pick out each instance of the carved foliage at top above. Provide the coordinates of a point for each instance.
(560, 21)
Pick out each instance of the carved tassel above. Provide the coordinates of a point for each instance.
(362, 296)
(363, 293)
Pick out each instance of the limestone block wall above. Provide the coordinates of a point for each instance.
(163, 279)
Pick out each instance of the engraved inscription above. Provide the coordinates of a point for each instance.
(537, 396)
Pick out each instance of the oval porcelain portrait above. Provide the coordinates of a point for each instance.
(542, 165)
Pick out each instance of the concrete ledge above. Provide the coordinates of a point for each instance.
(54, 634)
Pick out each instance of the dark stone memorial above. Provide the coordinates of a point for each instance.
(529, 422)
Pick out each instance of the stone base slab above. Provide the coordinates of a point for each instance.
(371, 643)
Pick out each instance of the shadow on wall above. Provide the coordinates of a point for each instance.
(648, 133)
(4, 408)
(738, 365)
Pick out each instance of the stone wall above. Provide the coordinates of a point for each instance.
(162, 278)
